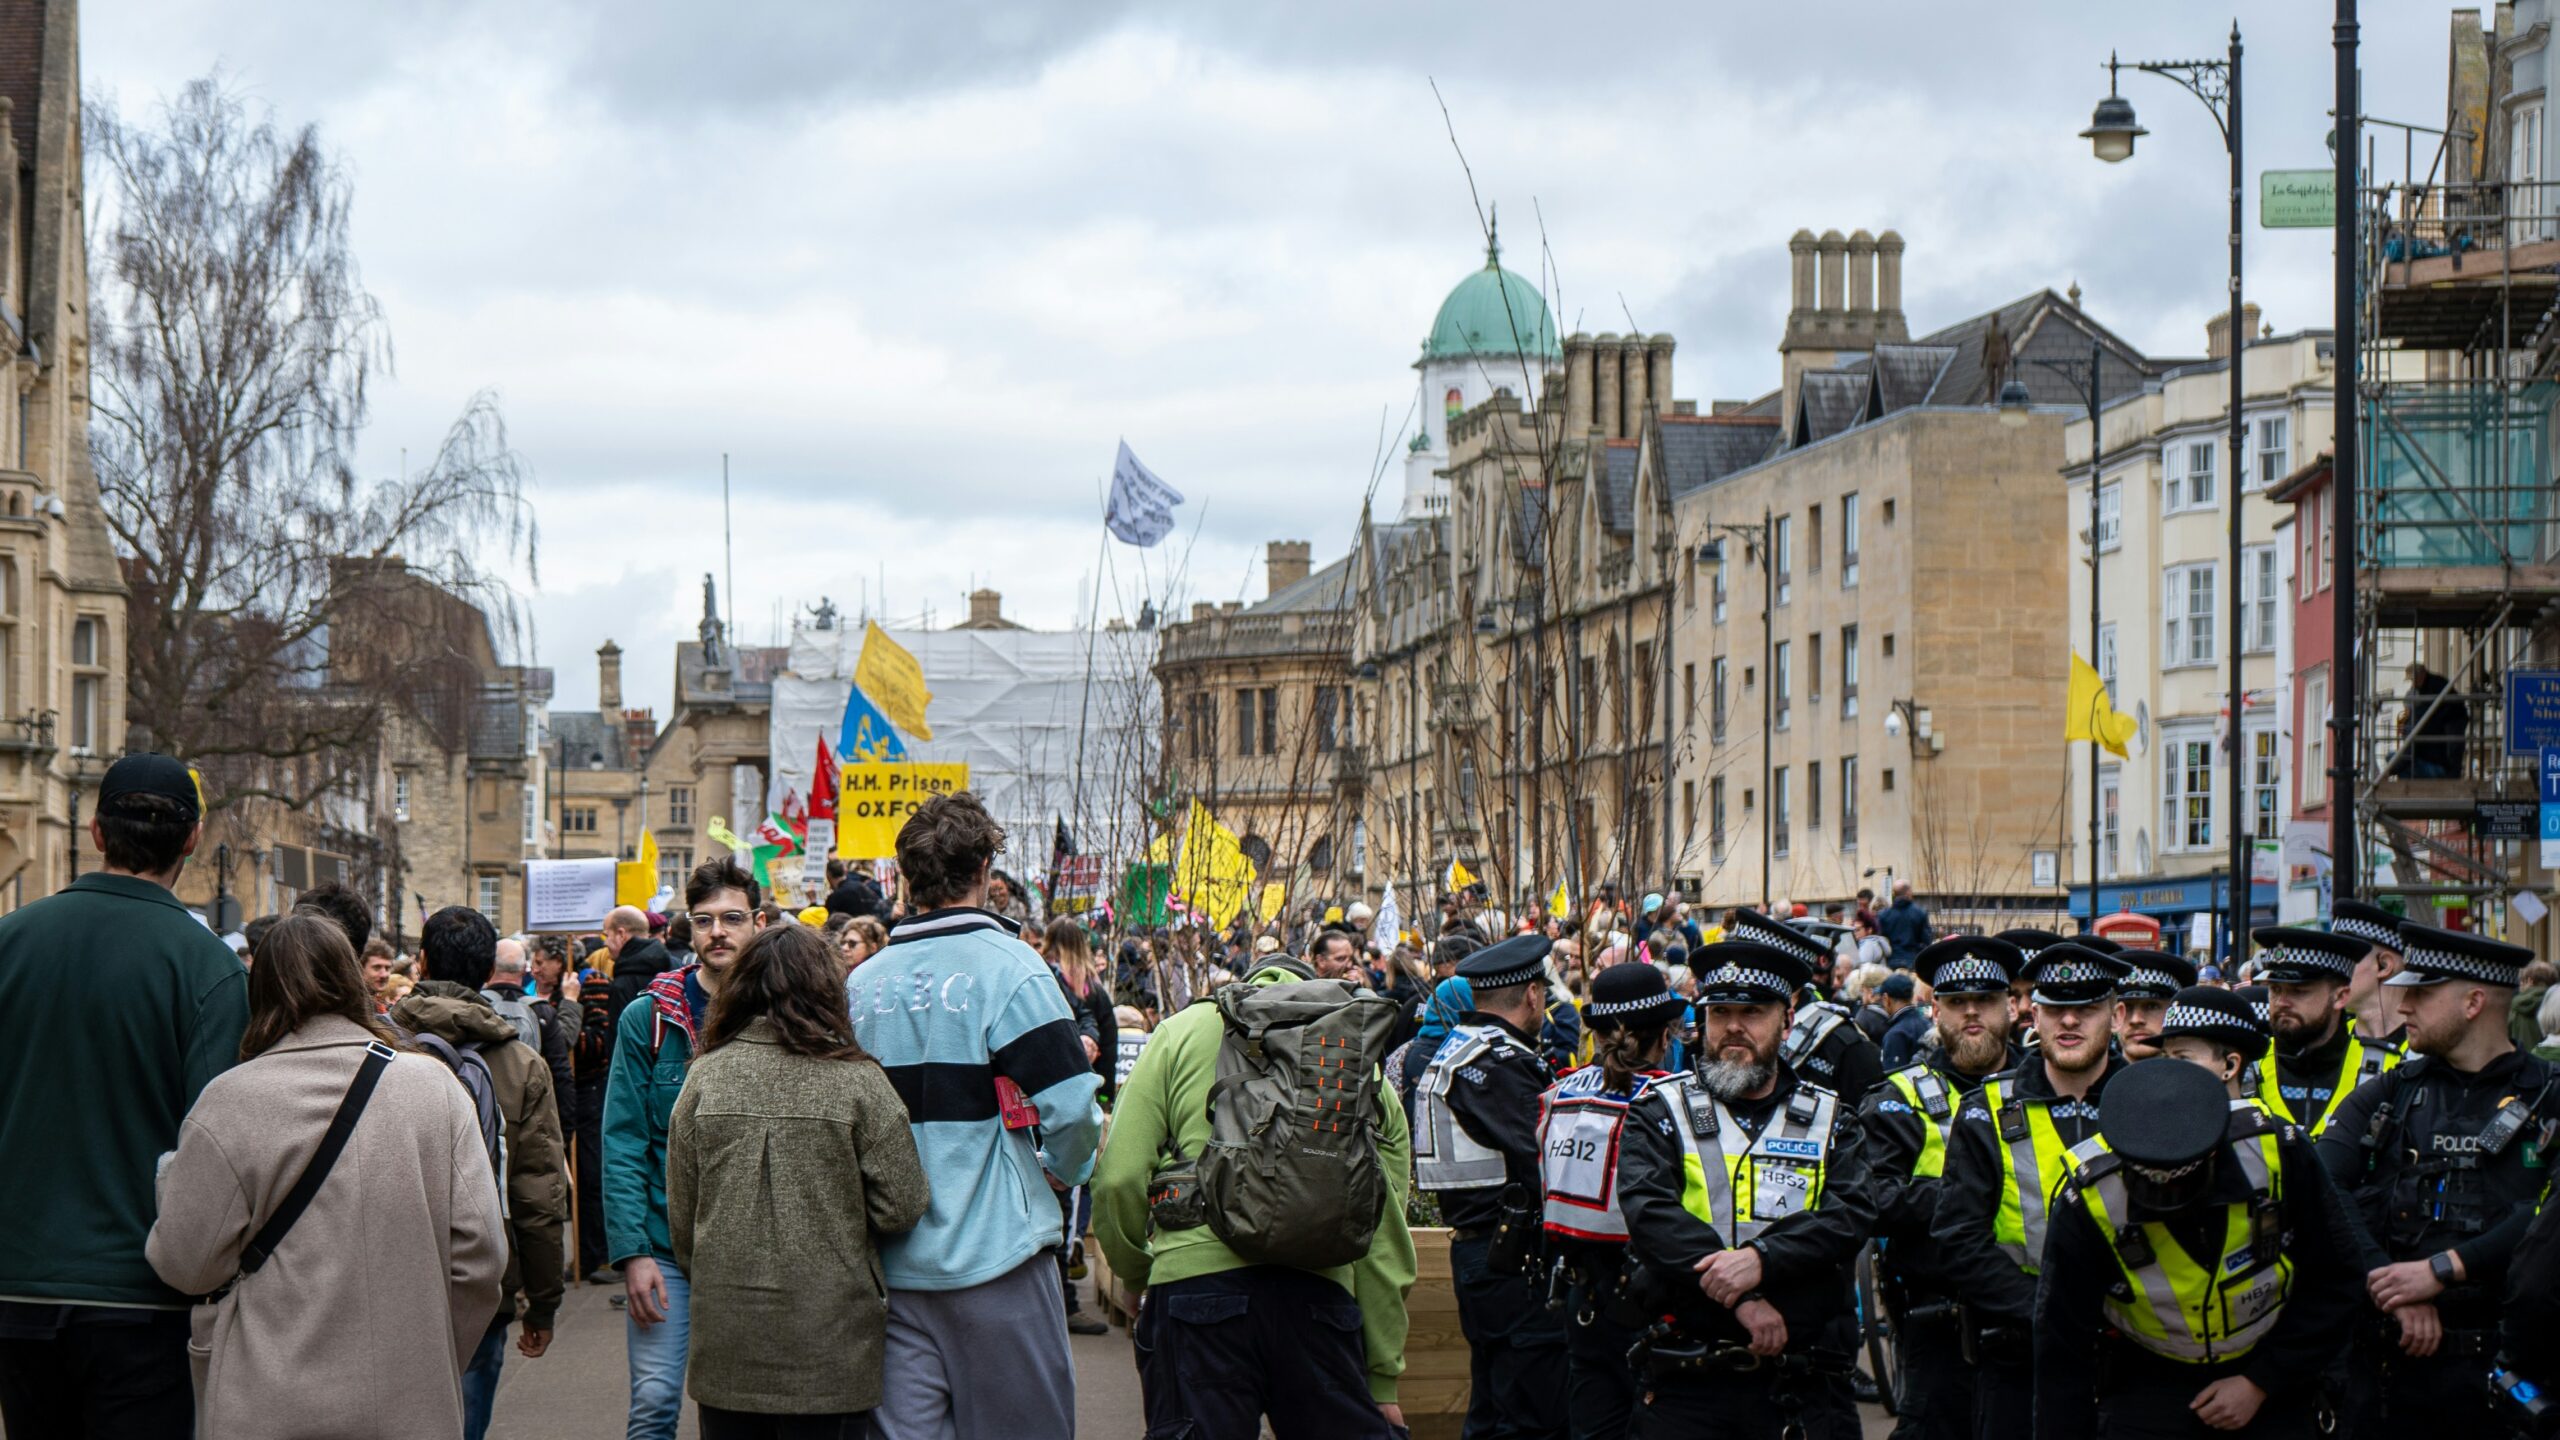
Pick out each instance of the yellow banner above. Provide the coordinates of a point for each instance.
(1213, 876)
(1274, 895)
(877, 799)
(634, 881)
(891, 679)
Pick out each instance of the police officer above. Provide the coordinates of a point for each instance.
(2318, 1059)
(1476, 1148)
(2031, 943)
(2193, 1279)
(2151, 979)
(2215, 1030)
(1907, 1119)
(1823, 1042)
(2004, 1159)
(2374, 1005)
(1580, 1123)
(2445, 1159)
(1746, 1194)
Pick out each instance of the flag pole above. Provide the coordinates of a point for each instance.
(1084, 711)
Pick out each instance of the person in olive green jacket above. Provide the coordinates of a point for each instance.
(1325, 1347)
(787, 1154)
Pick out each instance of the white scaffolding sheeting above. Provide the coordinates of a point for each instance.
(1010, 703)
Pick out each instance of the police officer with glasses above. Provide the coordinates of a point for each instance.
(2445, 1159)
(2318, 1059)
(2371, 1002)
(1747, 1195)
(1907, 1121)
(2194, 1283)
(2006, 1157)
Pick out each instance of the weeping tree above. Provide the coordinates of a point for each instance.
(235, 348)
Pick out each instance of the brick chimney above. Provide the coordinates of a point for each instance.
(609, 680)
(1284, 563)
(639, 732)
(986, 609)
(2217, 331)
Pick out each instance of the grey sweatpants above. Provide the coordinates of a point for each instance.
(986, 1363)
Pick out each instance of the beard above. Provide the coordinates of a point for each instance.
(1974, 1054)
(1732, 1080)
(2298, 1033)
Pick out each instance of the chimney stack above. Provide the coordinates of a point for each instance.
(1658, 369)
(1889, 276)
(1284, 563)
(1833, 252)
(1862, 272)
(1607, 352)
(609, 681)
(2217, 331)
(986, 609)
(1578, 385)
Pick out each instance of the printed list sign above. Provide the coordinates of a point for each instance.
(567, 894)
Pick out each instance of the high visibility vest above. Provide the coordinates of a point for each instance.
(1738, 1185)
(1813, 1025)
(1579, 1127)
(2032, 1157)
(2361, 1062)
(1925, 1090)
(2177, 1307)
(1445, 1156)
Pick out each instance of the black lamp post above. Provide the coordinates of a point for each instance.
(2111, 134)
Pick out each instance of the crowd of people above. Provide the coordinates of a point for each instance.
(1699, 1175)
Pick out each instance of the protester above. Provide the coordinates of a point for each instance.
(448, 1015)
(344, 907)
(1905, 927)
(654, 1045)
(977, 1340)
(117, 1008)
(788, 1154)
(636, 958)
(330, 1313)
(509, 992)
(1908, 1022)
(1069, 952)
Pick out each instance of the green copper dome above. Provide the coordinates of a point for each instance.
(1492, 312)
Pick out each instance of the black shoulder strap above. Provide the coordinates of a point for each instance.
(377, 1058)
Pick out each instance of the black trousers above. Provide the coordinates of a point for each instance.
(94, 1372)
(2442, 1394)
(587, 1153)
(1516, 1350)
(1712, 1405)
(2004, 1399)
(2157, 1410)
(718, 1424)
(1937, 1383)
(1600, 1386)
(1217, 1353)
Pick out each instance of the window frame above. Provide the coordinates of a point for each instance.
(2259, 599)
(2184, 623)
(1849, 541)
(2180, 746)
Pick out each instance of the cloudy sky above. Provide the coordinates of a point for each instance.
(916, 269)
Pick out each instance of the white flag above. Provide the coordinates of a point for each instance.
(1141, 505)
(1390, 924)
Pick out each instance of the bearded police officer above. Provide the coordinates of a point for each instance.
(1475, 1146)
(2004, 1159)
(1823, 1043)
(1580, 1128)
(2151, 979)
(2445, 1158)
(2193, 1277)
(1907, 1119)
(2373, 1005)
(2318, 1059)
(1746, 1195)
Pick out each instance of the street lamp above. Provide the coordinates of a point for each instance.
(2111, 134)
(1712, 553)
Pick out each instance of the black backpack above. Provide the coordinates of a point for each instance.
(468, 1066)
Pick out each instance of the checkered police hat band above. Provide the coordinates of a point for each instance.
(2200, 1017)
(1971, 971)
(1667, 1000)
(2296, 958)
(1792, 941)
(2367, 931)
(2074, 972)
(2142, 979)
(1735, 977)
(2469, 967)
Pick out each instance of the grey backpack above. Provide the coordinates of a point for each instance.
(1291, 1174)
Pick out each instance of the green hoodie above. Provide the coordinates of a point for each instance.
(1168, 1095)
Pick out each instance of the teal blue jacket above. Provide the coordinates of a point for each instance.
(651, 1054)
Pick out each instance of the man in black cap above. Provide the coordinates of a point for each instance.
(2444, 1158)
(1907, 1120)
(2374, 1005)
(116, 1008)
(2318, 1059)
(2151, 978)
(2031, 942)
(2225, 1327)
(2004, 1159)
(1475, 1146)
(1824, 1041)
(1746, 1194)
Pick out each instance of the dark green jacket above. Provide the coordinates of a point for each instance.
(116, 1006)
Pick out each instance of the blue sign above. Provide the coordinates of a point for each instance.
(2533, 711)
(2550, 794)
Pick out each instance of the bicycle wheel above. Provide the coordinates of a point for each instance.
(1875, 1325)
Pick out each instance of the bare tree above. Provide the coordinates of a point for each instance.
(235, 348)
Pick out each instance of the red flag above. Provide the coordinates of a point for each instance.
(823, 784)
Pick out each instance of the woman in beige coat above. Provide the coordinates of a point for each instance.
(404, 1240)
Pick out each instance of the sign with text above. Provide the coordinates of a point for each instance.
(2533, 711)
(877, 799)
(2504, 819)
(568, 894)
(1078, 885)
(2551, 807)
(2297, 199)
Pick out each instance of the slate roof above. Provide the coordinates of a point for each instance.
(497, 724)
(582, 735)
(1618, 487)
(1828, 402)
(1698, 450)
(1328, 588)
(1905, 374)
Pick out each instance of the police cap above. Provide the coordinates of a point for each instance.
(1631, 994)
(2151, 974)
(2431, 956)
(2030, 942)
(1515, 961)
(2288, 955)
(1759, 929)
(2165, 1116)
(1970, 965)
(2370, 923)
(2208, 1012)
(2067, 974)
(1745, 972)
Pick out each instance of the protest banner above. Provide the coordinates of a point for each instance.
(877, 799)
(568, 894)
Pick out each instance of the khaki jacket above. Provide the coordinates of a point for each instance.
(402, 1246)
(781, 1172)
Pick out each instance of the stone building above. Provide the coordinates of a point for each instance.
(62, 593)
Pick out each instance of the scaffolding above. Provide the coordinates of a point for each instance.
(2455, 545)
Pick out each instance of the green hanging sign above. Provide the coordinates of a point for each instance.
(2298, 199)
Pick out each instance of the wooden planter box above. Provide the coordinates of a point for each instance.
(1434, 1388)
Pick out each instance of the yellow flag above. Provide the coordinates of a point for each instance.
(1274, 895)
(1213, 876)
(634, 881)
(1560, 904)
(2090, 716)
(1160, 850)
(721, 834)
(891, 679)
(1459, 879)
